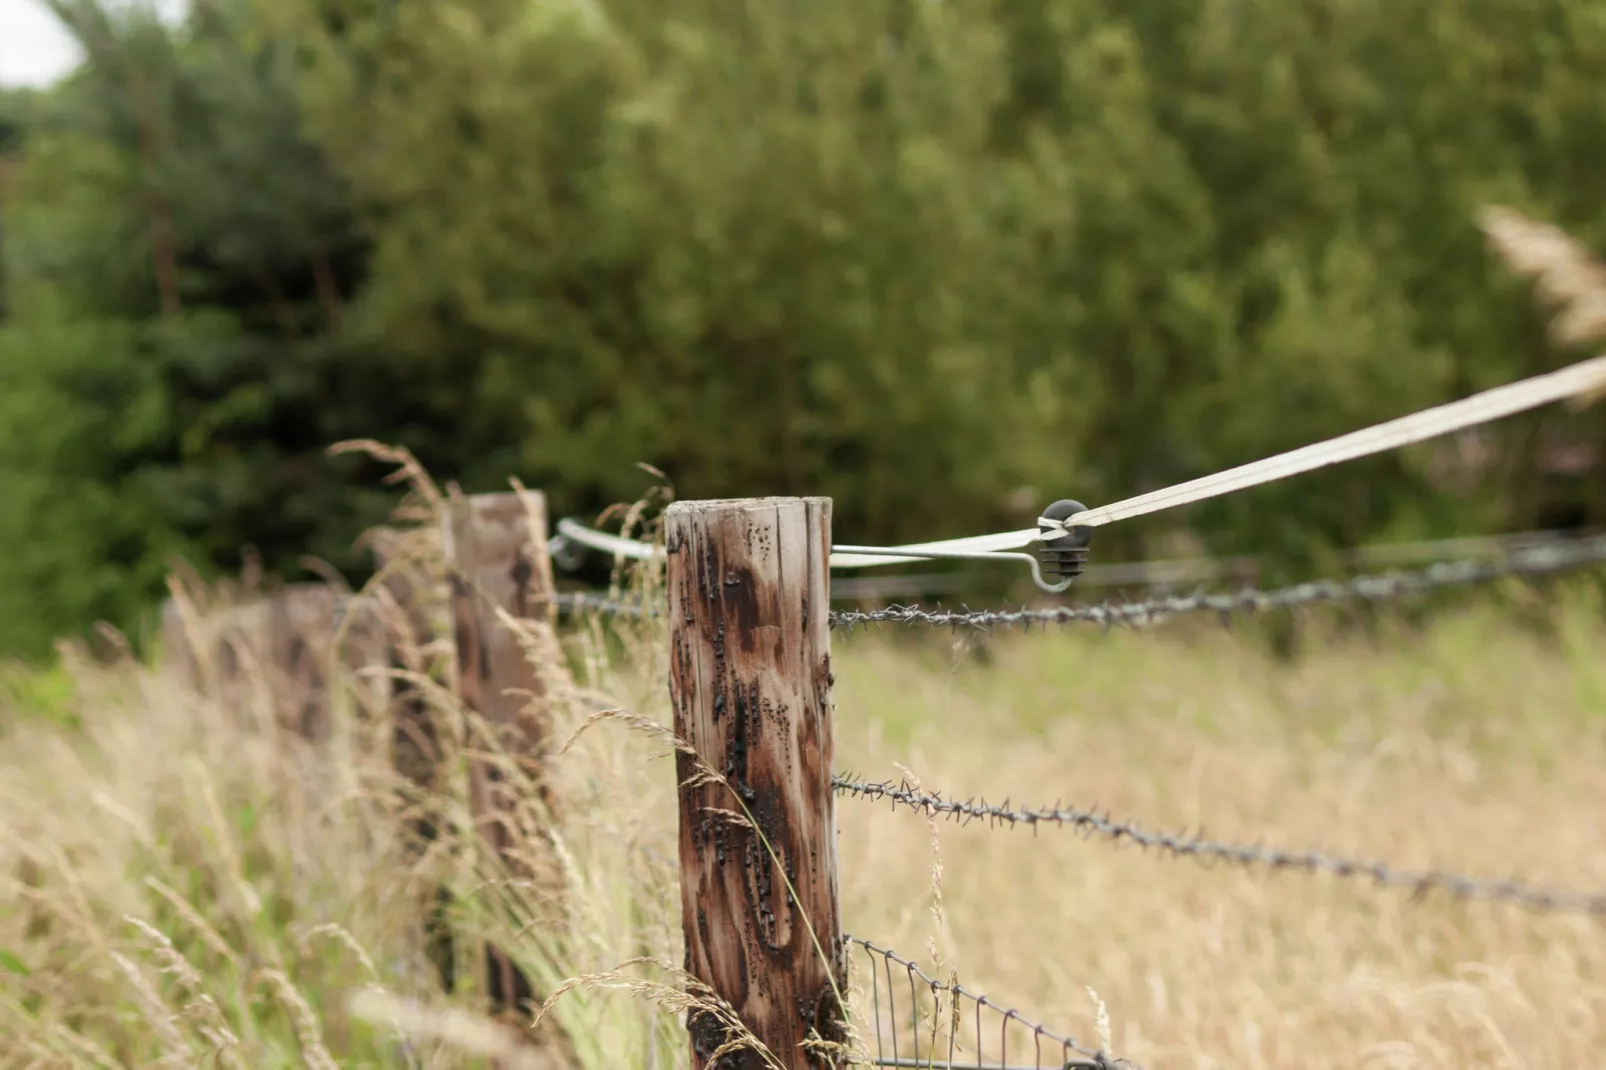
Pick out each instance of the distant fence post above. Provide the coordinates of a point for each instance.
(401, 614)
(286, 631)
(496, 557)
(297, 632)
(176, 644)
(406, 629)
(750, 682)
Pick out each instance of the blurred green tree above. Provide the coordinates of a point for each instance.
(913, 255)
(171, 366)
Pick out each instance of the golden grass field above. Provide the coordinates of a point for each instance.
(180, 889)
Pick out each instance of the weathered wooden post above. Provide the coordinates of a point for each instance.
(286, 632)
(176, 644)
(750, 681)
(406, 629)
(496, 555)
(399, 615)
(294, 635)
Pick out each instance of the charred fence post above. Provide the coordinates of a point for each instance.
(496, 557)
(750, 683)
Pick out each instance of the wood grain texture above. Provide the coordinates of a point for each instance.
(750, 683)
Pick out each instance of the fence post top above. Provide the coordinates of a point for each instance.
(682, 508)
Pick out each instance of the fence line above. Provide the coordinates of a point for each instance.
(1519, 549)
(1169, 572)
(1535, 562)
(760, 904)
(757, 789)
(1101, 825)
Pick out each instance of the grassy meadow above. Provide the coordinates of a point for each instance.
(182, 886)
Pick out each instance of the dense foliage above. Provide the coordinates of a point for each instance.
(913, 255)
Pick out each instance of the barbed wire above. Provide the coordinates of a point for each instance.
(565, 601)
(1533, 562)
(1182, 845)
(579, 602)
(964, 1010)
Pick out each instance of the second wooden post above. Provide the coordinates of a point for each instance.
(496, 553)
(750, 681)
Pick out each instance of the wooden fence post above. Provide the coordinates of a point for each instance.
(495, 548)
(296, 634)
(176, 644)
(286, 631)
(750, 682)
(403, 629)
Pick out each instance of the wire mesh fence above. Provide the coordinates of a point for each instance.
(914, 1019)
(917, 1020)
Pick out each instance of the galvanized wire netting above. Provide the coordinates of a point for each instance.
(917, 1020)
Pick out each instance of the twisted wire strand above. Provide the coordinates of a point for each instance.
(1530, 562)
(578, 602)
(1071, 1054)
(566, 601)
(1181, 845)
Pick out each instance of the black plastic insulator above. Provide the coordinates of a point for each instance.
(1064, 558)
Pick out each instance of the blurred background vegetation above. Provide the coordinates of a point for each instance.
(942, 261)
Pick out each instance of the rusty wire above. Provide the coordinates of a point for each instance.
(1528, 562)
(902, 1033)
(1183, 845)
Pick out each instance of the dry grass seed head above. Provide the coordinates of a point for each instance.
(193, 918)
(1567, 276)
(161, 1018)
(343, 936)
(309, 1031)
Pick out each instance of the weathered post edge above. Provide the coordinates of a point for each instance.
(750, 685)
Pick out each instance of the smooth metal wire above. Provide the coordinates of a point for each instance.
(974, 1023)
(1182, 845)
(1532, 562)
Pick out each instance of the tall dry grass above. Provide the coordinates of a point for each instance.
(182, 886)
